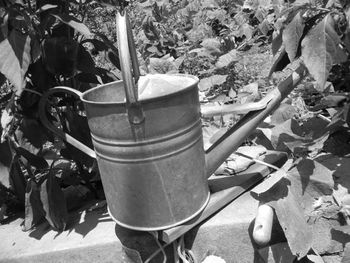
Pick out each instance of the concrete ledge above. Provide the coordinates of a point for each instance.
(91, 239)
(94, 237)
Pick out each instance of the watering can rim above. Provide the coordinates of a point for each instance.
(84, 94)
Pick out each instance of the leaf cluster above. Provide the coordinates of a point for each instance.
(44, 44)
(314, 32)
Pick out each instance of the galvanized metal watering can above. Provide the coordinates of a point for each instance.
(149, 145)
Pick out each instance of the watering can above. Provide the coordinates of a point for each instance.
(148, 144)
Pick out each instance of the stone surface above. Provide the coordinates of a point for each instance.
(93, 237)
(90, 239)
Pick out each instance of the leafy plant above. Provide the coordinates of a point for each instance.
(314, 32)
(44, 44)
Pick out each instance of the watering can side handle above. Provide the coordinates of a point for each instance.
(45, 121)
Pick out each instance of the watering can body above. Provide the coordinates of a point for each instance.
(158, 181)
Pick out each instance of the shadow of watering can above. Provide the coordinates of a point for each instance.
(149, 145)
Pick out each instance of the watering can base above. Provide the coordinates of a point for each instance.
(140, 228)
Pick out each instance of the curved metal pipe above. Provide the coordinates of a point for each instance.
(235, 136)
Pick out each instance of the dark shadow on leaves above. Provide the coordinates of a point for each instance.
(306, 169)
(91, 220)
(340, 236)
(40, 230)
(338, 143)
(276, 192)
(284, 137)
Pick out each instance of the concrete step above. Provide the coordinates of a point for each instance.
(94, 237)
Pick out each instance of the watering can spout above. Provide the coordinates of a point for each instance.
(235, 136)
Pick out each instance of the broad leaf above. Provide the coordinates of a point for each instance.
(281, 60)
(212, 45)
(321, 50)
(110, 49)
(54, 203)
(346, 257)
(7, 119)
(34, 211)
(5, 163)
(3, 26)
(2, 79)
(206, 83)
(283, 113)
(226, 59)
(74, 23)
(17, 180)
(31, 135)
(308, 138)
(45, 8)
(291, 218)
(200, 32)
(279, 252)
(345, 229)
(162, 66)
(293, 198)
(40, 80)
(15, 58)
(338, 143)
(292, 34)
(315, 258)
(276, 44)
(245, 30)
(273, 179)
(66, 171)
(85, 63)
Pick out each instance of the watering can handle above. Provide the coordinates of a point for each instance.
(64, 136)
(131, 74)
